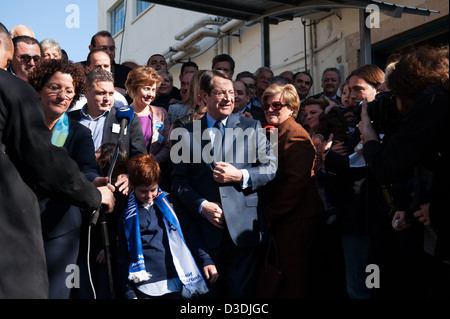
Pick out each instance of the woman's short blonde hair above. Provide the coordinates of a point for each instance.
(288, 95)
(141, 76)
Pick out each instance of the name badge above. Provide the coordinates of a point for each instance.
(156, 137)
(160, 138)
(116, 129)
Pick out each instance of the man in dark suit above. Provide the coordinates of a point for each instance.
(99, 115)
(331, 82)
(103, 40)
(220, 189)
(28, 162)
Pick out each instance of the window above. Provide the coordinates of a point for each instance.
(141, 6)
(117, 18)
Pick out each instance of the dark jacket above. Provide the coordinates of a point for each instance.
(133, 141)
(29, 161)
(59, 217)
(420, 141)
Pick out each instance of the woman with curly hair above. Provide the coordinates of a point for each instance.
(58, 84)
(420, 83)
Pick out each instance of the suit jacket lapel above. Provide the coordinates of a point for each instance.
(232, 123)
(205, 141)
(204, 135)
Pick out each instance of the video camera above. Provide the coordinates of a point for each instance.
(383, 112)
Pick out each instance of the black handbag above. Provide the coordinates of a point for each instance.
(271, 277)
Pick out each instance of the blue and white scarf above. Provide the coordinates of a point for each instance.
(184, 263)
(60, 131)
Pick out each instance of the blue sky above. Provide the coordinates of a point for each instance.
(49, 19)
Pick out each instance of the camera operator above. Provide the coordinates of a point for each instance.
(420, 84)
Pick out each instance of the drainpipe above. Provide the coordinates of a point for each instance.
(195, 37)
(265, 42)
(311, 48)
(180, 55)
(208, 20)
(304, 43)
(364, 39)
(184, 46)
(231, 26)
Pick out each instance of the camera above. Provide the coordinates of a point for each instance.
(383, 112)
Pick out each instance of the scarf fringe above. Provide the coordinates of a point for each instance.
(139, 276)
(201, 290)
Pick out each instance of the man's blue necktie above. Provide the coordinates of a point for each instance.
(221, 135)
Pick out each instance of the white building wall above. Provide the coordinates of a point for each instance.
(333, 37)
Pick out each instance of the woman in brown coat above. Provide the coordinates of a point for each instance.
(294, 211)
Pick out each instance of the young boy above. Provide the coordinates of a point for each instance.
(153, 256)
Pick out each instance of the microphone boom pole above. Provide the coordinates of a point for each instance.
(124, 116)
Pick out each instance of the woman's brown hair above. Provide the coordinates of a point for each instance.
(141, 76)
(418, 68)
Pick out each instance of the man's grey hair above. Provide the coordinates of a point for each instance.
(97, 75)
(263, 68)
(336, 70)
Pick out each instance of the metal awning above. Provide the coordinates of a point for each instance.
(274, 11)
(279, 10)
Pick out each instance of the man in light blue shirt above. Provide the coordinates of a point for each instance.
(99, 115)
(95, 125)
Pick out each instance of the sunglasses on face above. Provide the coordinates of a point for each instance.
(25, 58)
(276, 106)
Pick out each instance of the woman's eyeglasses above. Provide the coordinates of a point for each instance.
(67, 93)
(277, 105)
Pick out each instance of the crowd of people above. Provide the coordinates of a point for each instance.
(231, 186)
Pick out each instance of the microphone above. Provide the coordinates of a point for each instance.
(124, 115)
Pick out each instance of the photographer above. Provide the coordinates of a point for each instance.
(420, 83)
(349, 188)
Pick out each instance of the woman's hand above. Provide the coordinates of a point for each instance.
(108, 199)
